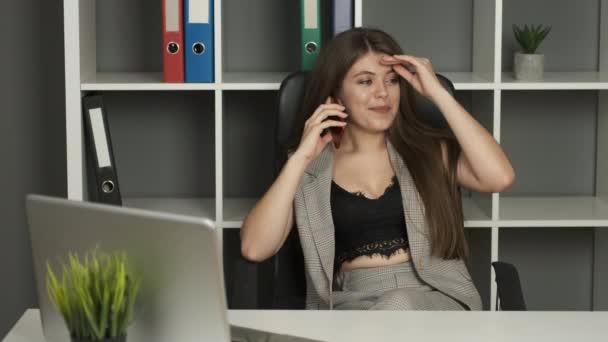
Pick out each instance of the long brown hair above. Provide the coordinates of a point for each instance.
(416, 141)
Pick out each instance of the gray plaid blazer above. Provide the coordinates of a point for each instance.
(316, 230)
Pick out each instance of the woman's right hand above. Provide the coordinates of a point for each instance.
(312, 143)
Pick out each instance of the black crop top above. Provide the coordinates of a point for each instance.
(365, 226)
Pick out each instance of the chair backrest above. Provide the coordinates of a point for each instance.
(510, 295)
(289, 278)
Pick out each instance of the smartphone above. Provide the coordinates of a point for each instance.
(337, 132)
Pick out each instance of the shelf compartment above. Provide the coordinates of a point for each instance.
(555, 266)
(164, 146)
(550, 138)
(121, 47)
(582, 40)
(248, 149)
(260, 36)
(555, 211)
(127, 37)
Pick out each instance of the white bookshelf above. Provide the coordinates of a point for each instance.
(486, 82)
(117, 81)
(581, 80)
(558, 211)
(203, 207)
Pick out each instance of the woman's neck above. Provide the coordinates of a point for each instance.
(362, 142)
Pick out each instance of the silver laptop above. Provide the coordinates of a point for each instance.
(182, 297)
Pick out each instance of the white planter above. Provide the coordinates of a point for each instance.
(528, 67)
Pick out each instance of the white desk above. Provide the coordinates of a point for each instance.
(427, 326)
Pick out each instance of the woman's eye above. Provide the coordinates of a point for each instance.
(368, 82)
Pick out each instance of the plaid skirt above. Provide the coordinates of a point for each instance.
(393, 287)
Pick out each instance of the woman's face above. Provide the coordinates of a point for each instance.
(370, 92)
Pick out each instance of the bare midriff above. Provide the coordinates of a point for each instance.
(365, 261)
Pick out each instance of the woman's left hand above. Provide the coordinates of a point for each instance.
(423, 80)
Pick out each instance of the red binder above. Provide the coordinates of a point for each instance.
(173, 41)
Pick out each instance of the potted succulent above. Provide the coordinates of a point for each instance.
(529, 65)
(95, 297)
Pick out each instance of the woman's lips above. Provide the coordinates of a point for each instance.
(382, 109)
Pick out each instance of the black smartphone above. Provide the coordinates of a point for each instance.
(337, 132)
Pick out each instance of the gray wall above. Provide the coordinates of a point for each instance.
(32, 137)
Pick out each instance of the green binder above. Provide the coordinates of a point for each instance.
(311, 32)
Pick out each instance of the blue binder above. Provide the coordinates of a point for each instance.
(198, 41)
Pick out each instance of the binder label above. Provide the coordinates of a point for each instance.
(198, 12)
(99, 138)
(310, 14)
(172, 15)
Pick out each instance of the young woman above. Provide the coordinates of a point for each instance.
(378, 210)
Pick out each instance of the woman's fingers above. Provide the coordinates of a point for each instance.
(399, 69)
(417, 62)
(329, 108)
(421, 66)
(326, 105)
(325, 125)
(313, 138)
(324, 111)
(327, 113)
(329, 123)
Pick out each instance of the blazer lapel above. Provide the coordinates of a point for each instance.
(317, 197)
(413, 209)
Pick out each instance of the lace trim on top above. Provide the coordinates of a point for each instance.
(362, 194)
(386, 249)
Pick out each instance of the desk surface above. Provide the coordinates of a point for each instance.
(439, 326)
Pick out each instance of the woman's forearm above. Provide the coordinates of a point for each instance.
(267, 225)
(488, 161)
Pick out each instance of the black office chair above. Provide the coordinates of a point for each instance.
(289, 277)
(289, 287)
(510, 296)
